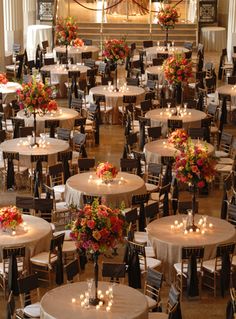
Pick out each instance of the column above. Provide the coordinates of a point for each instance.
(231, 41)
(2, 46)
(29, 11)
(13, 23)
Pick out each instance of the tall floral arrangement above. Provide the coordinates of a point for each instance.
(106, 171)
(194, 166)
(10, 217)
(98, 228)
(178, 138)
(36, 97)
(3, 78)
(66, 30)
(167, 17)
(177, 69)
(115, 50)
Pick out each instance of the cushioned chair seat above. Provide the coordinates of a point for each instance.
(68, 246)
(151, 302)
(151, 187)
(151, 263)
(209, 265)
(221, 154)
(19, 267)
(59, 188)
(140, 237)
(226, 161)
(42, 258)
(66, 232)
(33, 311)
(149, 251)
(61, 206)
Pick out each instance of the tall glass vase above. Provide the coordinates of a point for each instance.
(34, 144)
(95, 301)
(167, 38)
(67, 66)
(178, 93)
(194, 209)
(115, 78)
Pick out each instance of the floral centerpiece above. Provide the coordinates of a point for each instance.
(10, 217)
(177, 69)
(97, 229)
(66, 30)
(194, 165)
(77, 42)
(36, 98)
(106, 171)
(3, 78)
(178, 138)
(167, 17)
(115, 50)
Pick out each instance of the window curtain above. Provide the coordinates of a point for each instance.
(231, 28)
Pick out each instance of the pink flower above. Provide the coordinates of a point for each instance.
(201, 184)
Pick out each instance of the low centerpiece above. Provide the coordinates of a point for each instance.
(195, 167)
(178, 138)
(67, 30)
(106, 171)
(167, 17)
(177, 70)
(3, 78)
(77, 42)
(115, 52)
(97, 229)
(10, 218)
(36, 98)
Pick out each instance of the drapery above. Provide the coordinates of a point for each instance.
(128, 7)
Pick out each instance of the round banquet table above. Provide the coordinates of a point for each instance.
(9, 90)
(151, 52)
(156, 70)
(21, 145)
(59, 74)
(213, 38)
(168, 243)
(36, 239)
(36, 34)
(65, 116)
(156, 149)
(76, 52)
(128, 303)
(228, 89)
(120, 190)
(192, 118)
(115, 99)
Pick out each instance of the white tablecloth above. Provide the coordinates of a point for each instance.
(114, 99)
(66, 117)
(151, 52)
(156, 149)
(168, 243)
(128, 303)
(228, 89)
(213, 38)
(36, 239)
(156, 70)
(9, 91)
(192, 118)
(35, 35)
(20, 145)
(76, 52)
(59, 74)
(117, 192)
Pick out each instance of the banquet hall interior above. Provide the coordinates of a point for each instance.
(117, 159)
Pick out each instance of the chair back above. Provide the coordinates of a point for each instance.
(43, 207)
(153, 283)
(154, 172)
(86, 164)
(130, 165)
(222, 251)
(49, 61)
(72, 270)
(184, 206)
(29, 289)
(147, 43)
(140, 250)
(56, 174)
(52, 125)
(231, 214)
(151, 212)
(154, 133)
(63, 134)
(114, 271)
(26, 203)
(174, 124)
